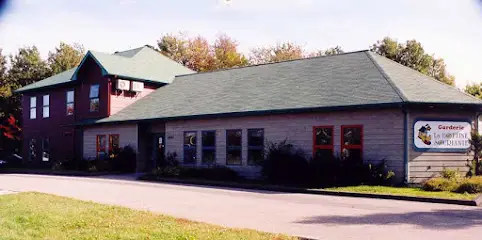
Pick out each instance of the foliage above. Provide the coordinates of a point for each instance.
(125, 161)
(168, 166)
(285, 164)
(199, 55)
(440, 184)
(65, 57)
(412, 54)
(327, 52)
(475, 149)
(470, 185)
(277, 53)
(451, 174)
(44, 216)
(474, 89)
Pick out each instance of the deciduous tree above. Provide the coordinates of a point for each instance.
(329, 51)
(226, 53)
(279, 52)
(65, 57)
(474, 89)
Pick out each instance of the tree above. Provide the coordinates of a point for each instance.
(174, 47)
(227, 55)
(330, 51)
(199, 54)
(474, 89)
(65, 57)
(279, 52)
(412, 54)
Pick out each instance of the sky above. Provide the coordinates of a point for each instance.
(447, 28)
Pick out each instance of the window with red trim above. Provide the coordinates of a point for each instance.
(113, 143)
(101, 146)
(323, 142)
(352, 142)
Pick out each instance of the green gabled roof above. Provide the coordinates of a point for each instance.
(58, 79)
(357, 79)
(142, 64)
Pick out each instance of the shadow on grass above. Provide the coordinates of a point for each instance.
(438, 219)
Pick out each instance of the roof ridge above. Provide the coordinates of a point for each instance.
(385, 75)
(429, 77)
(270, 63)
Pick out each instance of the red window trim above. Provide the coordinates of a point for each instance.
(110, 141)
(98, 148)
(359, 146)
(332, 146)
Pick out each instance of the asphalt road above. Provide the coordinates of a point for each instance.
(312, 216)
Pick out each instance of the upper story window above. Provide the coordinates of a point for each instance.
(94, 98)
(46, 106)
(70, 103)
(233, 147)
(33, 107)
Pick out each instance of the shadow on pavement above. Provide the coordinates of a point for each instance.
(438, 219)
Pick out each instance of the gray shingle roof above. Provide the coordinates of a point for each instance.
(142, 63)
(352, 79)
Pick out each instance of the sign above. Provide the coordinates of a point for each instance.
(441, 136)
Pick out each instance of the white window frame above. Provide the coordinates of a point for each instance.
(33, 107)
(46, 106)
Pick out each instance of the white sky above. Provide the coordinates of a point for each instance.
(450, 29)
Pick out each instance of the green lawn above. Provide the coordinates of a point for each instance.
(403, 191)
(42, 216)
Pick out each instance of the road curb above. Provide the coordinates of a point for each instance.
(475, 202)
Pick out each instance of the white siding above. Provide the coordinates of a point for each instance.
(128, 135)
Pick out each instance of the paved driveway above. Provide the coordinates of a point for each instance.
(320, 217)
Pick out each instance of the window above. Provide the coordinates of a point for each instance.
(255, 146)
(33, 107)
(209, 147)
(45, 149)
(46, 106)
(32, 151)
(352, 142)
(101, 144)
(233, 147)
(190, 147)
(323, 142)
(94, 98)
(114, 143)
(70, 103)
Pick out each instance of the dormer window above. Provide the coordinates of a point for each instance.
(94, 98)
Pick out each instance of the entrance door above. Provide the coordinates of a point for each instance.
(158, 146)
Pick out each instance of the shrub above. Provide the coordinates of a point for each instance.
(215, 173)
(451, 174)
(125, 161)
(285, 164)
(470, 185)
(476, 150)
(440, 184)
(168, 166)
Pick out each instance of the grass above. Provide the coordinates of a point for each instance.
(403, 191)
(43, 216)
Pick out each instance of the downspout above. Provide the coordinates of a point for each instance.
(406, 137)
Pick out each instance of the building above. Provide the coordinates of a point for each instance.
(358, 103)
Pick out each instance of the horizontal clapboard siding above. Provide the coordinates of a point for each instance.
(424, 165)
(127, 136)
(383, 134)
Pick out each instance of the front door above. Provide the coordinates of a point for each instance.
(158, 148)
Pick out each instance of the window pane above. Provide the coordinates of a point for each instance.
(101, 143)
(45, 149)
(189, 154)
(46, 100)
(113, 142)
(46, 112)
(70, 109)
(33, 102)
(94, 91)
(32, 150)
(209, 139)
(352, 155)
(33, 113)
(233, 157)
(255, 156)
(189, 139)
(324, 136)
(209, 156)
(94, 104)
(233, 138)
(70, 96)
(255, 137)
(352, 136)
(324, 154)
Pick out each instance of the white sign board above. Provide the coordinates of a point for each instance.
(443, 136)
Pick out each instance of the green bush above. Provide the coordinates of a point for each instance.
(451, 174)
(285, 164)
(440, 184)
(470, 185)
